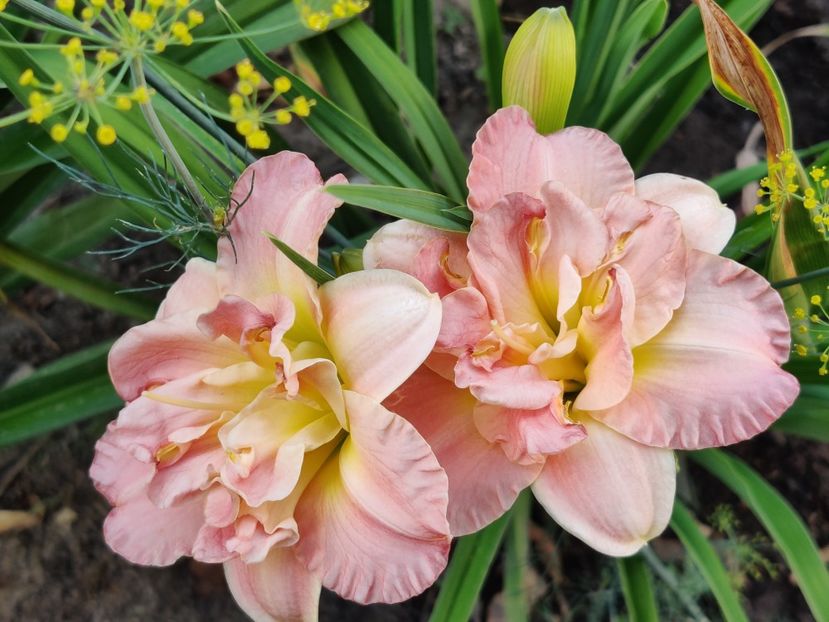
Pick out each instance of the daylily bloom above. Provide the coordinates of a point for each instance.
(254, 433)
(589, 329)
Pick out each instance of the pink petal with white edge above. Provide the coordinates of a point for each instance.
(649, 246)
(526, 436)
(513, 386)
(279, 589)
(602, 343)
(398, 246)
(483, 482)
(196, 289)
(707, 223)
(373, 521)
(380, 325)
(282, 195)
(499, 257)
(609, 491)
(163, 350)
(712, 377)
(509, 155)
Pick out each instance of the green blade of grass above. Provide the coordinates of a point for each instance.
(83, 286)
(784, 525)
(708, 563)
(312, 270)
(808, 417)
(637, 587)
(464, 576)
(424, 207)
(517, 560)
(487, 18)
(72, 389)
(428, 124)
(419, 41)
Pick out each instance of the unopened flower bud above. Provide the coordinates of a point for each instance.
(540, 68)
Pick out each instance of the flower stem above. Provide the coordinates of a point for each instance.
(167, 146)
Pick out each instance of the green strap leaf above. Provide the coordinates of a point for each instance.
(428, 124)
(809, 415)
(417, 205)
(487, 18)
(637, 586)
(312, 270)
(464, 576)
(419, 41)
(517, 560)
(784, 525)
(709, 564)
(74, 388)
(83, 286)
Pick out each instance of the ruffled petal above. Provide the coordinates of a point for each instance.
(649, 246)
(465, 319)
(373, 521)
(483, 482)
(707, 223)
(513, 386)
(499, 257)
(196, 289)
(166, 349)
(509, 155)
(609, 491)
(279, 589)
(380, 325)
(282, 195)
(526, 436)
(712, 377)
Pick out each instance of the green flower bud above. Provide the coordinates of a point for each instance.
(349, 260)
(540, 68)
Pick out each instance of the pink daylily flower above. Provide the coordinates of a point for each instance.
(589, 329)
(254, 433)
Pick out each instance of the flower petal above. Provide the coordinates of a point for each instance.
(649, 246)
(373, 521)
(465, 319)
(499, 257)
(380, 325)
(712, 377)
(513, 386)
(609, 371)
(509, 155)
(526, 436)
(282, 195)
(166, 349)
(707, 223)
(609, 491)
(197, 288)
(279, 589)
(483, 482)
(399, 246)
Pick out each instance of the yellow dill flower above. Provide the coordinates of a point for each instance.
(283, 117)
(105, 135)
(59, 132)
(27, 78)
(282, 85)
(194, 18)
(142, 20)
(302, 106)
(122, 102)
(65, 6)
(258, 140)
(140, 95)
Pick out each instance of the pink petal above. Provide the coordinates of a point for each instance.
(602, 343)
(279, 589)
(197, 288)
(712, 377)
(526, 436)
(190, 473)
(508, 155)
(609, 491)
(483, 482)
(163, 350)
(373, 521)
(380, 325)
(513, 386)
(707, 223)
(499, 256)
(398, 245)
(465, 319)
(239, 319)
(282, 195)
(649, 247)
(145, 534)
(117, 474)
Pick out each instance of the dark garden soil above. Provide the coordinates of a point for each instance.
(60, 569)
